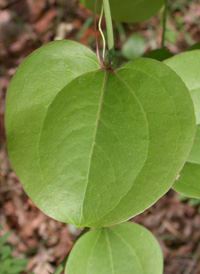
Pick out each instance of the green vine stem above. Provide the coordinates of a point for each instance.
(164, 24)
(109, 27)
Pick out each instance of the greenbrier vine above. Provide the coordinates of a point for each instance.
(97, 148)
(164, 24)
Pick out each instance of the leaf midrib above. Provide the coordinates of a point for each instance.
(142, 109)
(160, 83)
(38, 144)
(110, 251)
(94, 139)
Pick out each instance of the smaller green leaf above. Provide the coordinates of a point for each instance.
(17, 269)
(128, 10)
(20, 262)
(126, 248)
(159, 54)
(182, 198)
(3, 238)
(175, 6)
(8, 264)
(195, 46)
(194, 156)
(5, 265)
(5, 252)
(134, 46)
(189, 181)
(194, 202)
(187, 66)
(13, 265)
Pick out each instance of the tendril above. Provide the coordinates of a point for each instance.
(96, 38)
(102, 35)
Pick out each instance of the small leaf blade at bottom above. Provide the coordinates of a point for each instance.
(126, 248)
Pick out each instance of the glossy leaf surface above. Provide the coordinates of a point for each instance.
(101, 147)
(126, 248)
(128, 10)
(187, 66)
(107, 147)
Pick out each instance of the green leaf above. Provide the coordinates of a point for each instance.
(194, 202)
(195, 46)
(159, 54)
(182, 198)
(134, 46)
(128, 10)
(187, 66)
(126, 248)
(105, 146)
(5, 252)
(189, 181)
(12, 265)
(3, 238)
(20, 262)
(5, 265)
(194, 156)
(18, 265)
(88, 143)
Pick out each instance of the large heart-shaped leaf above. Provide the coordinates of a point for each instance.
(117, 150)
(187, 66)
(128, 10)
(101, 148)
(126, 248)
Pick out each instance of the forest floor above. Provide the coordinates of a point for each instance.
(24, 26)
